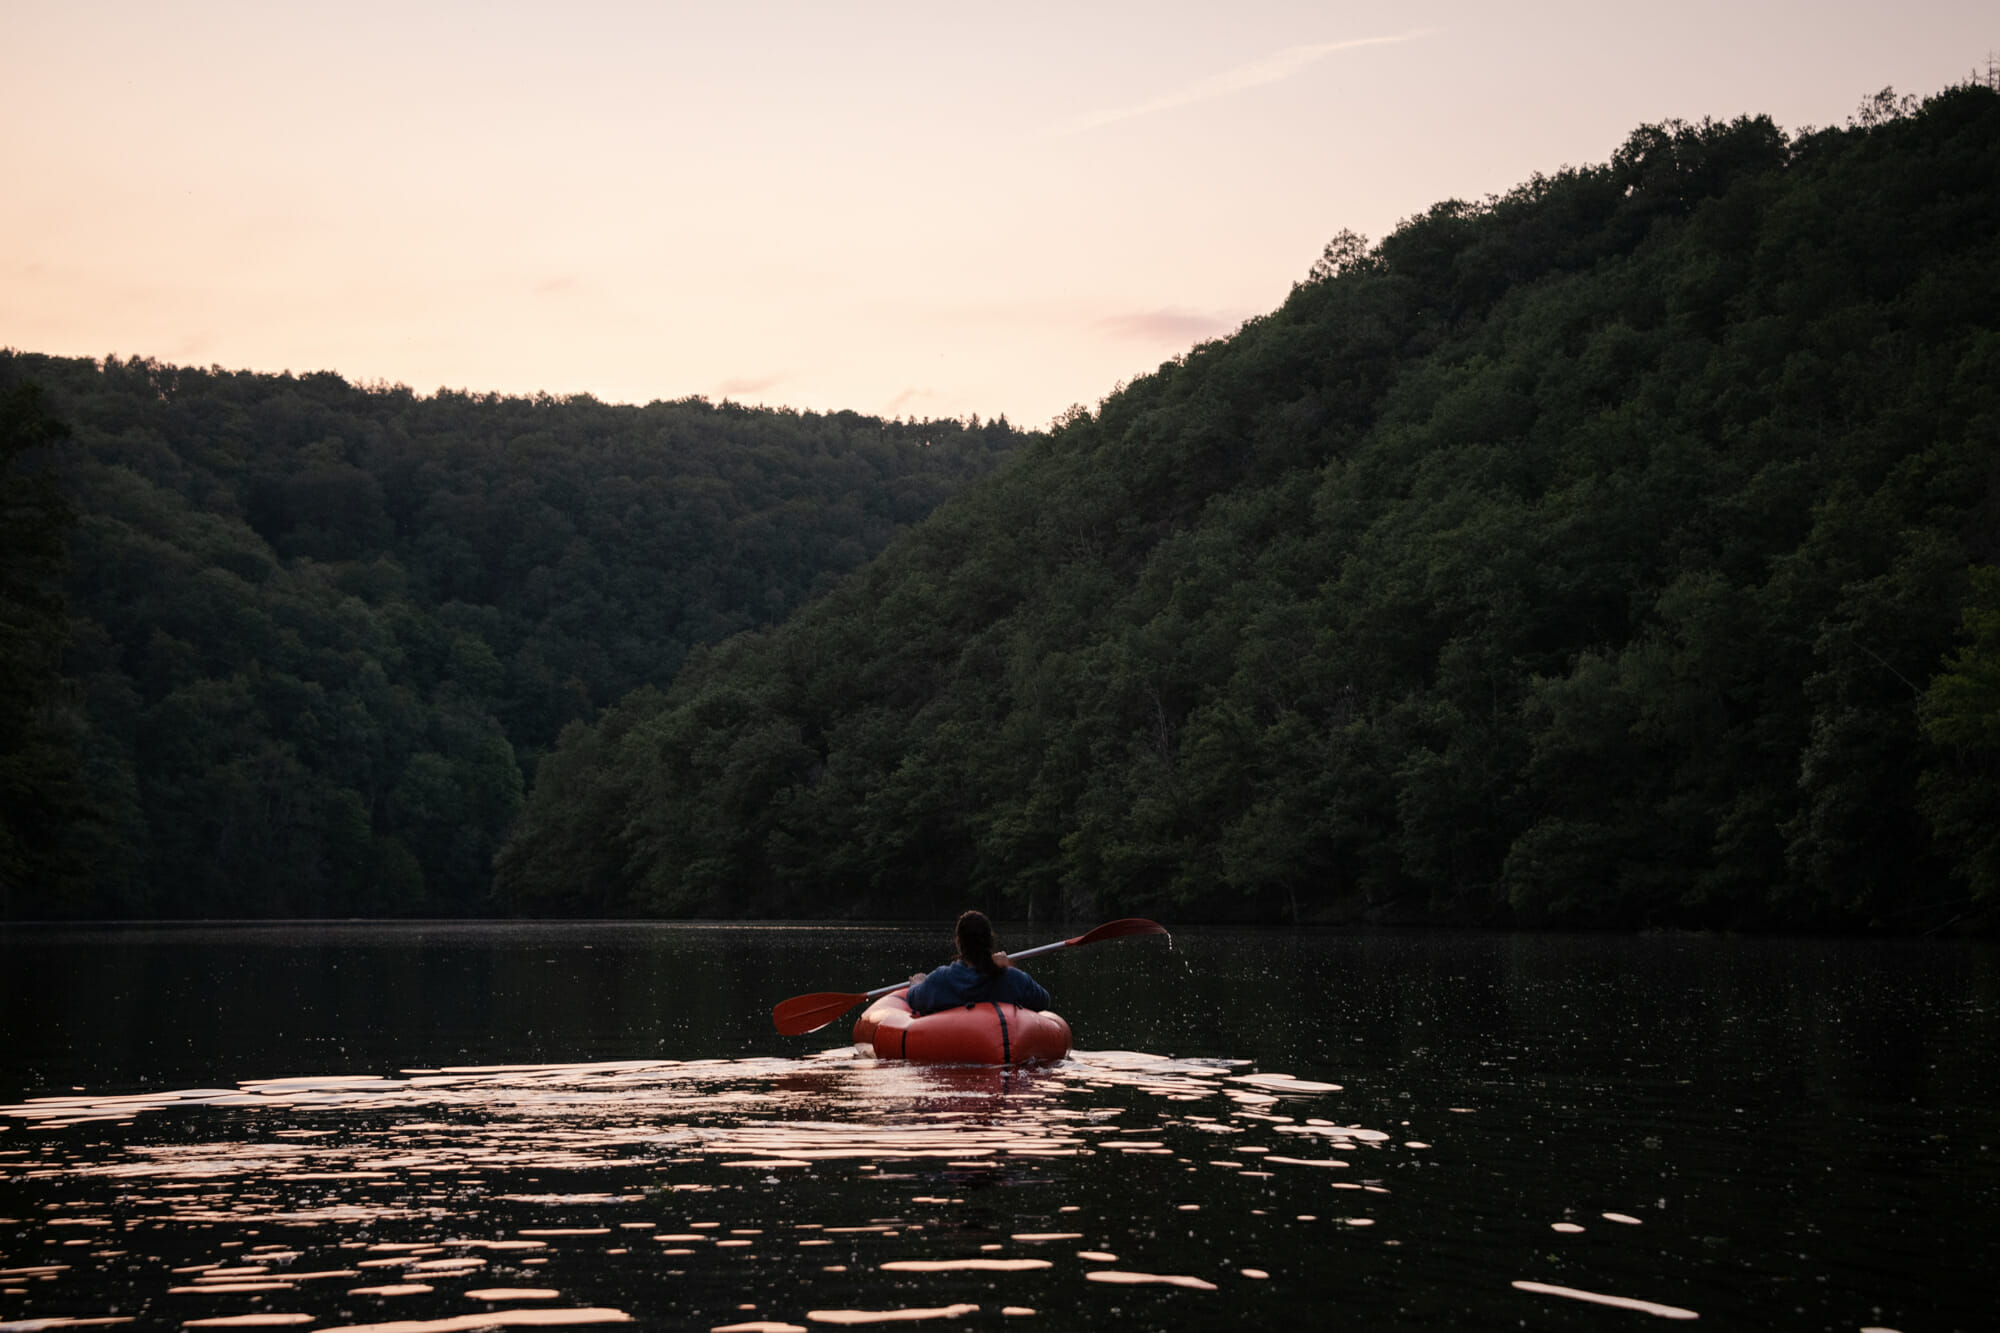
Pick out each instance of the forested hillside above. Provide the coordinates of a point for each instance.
(1617, 551)
(317, 634)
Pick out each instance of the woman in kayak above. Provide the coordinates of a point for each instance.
(979, 973)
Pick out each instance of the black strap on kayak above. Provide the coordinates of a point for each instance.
(1006, 1048)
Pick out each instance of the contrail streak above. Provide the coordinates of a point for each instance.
(1273, 68)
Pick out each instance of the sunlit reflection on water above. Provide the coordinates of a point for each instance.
(692, 1190)
(1483, 1132)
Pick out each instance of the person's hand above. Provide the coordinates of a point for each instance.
(915, 977)
(1000, 959)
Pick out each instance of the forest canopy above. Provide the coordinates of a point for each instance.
(1618, 551)
(285, 645)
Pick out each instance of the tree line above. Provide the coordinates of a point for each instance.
(1618, 551)
(284, 645)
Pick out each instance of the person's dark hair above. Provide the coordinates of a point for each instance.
(975, 941)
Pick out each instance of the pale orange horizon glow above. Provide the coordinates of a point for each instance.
(900, 209)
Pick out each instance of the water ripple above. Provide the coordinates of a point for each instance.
(575, 1193)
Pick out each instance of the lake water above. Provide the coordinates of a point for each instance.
(438, 1127)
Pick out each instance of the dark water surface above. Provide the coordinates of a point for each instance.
(437, 1127)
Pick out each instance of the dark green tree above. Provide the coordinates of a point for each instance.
(1961, 714)
(41, 798)
(1582, 556)
(320, 635)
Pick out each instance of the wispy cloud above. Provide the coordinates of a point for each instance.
(747, 385)
(1274, 68)
(1168, 326)
(907, 398)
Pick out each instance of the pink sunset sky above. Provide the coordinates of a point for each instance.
(906, 209)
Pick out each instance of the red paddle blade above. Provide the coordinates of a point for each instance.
(807, 1013)
(1111, 930)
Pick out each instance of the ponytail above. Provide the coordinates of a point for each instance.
(975, 942)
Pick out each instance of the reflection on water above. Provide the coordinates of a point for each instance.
(337, 1199)
(1465, 1132)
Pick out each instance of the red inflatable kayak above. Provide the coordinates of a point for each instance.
(975, 1034)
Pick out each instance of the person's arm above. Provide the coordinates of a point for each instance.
(1023, 989)
(929, 991)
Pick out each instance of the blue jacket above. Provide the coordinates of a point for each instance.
(958, 982)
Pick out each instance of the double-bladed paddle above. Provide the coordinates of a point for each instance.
(807, 1013)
